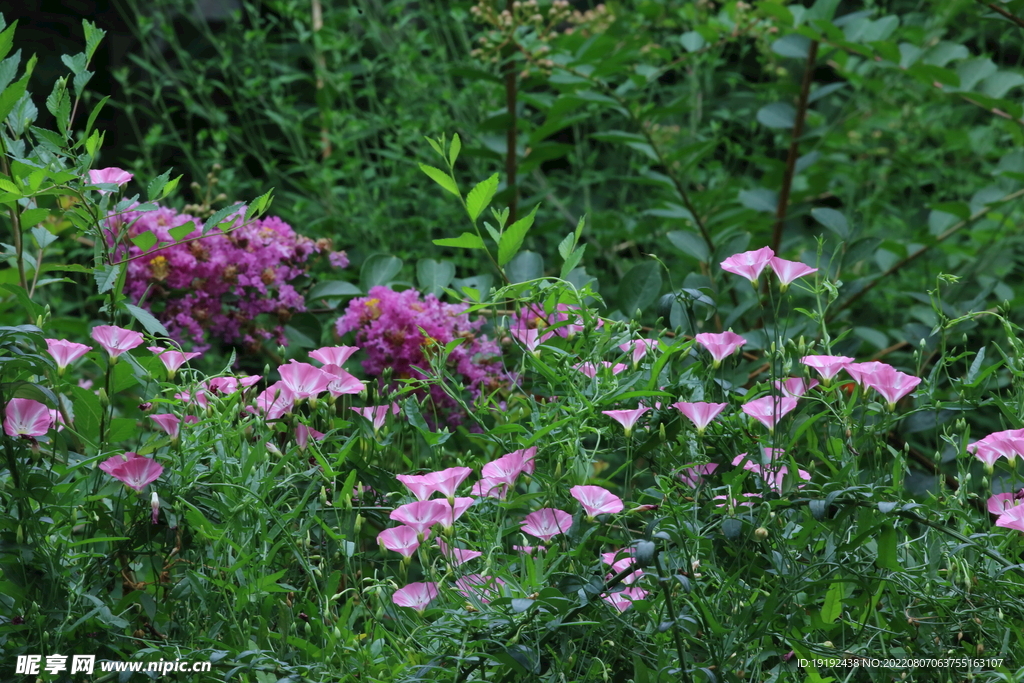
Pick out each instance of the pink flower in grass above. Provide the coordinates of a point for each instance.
(484, 588)
(596, 500)
(333, 355)
(418, 485)
(341, 382)
(547, 523)
(403, 540)
(65, 352)
(453, 510)
(626, 418)
(1001, 502)
(132, 470)
(700, 413)
(639, 348)
(795, 386)
(1005, 444)
(720, 346)
(827, 366)
(531, 338)
(274, 402)
(57, 419)
(525, 549)
(115, 340)
(109, 176)
(623, 600)
(171, 423)
(490, 488)
(788, 271)
(377, 414)
(1012, 518)
(457, 556)
(172, 359)
(25, 417)
(694, 476)
(749, 264)
(303, 435)
(732, 503)
(422, 514)
(415, 595)
(506, 469)
(446, 481)
(885, 379)
(769, 409)
(304, 380)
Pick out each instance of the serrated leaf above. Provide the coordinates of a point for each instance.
(565, 246)
(219, 216)
(513, 237)
(7, 186)
(156, 185)
(466, 240)
(7, 41)
(152, 325)
(145, 241)
(454, 149)
(441, 178)
(572, 261)
(31, 217)
(169, 187)
(106, 277)
(12, 94)
(259, 205)
(182, 231)
(93, 36)
(480, 196)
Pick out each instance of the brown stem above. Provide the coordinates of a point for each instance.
(999, 10)
(794, 145)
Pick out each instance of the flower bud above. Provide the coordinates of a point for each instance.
(761, 533)
(102, 393)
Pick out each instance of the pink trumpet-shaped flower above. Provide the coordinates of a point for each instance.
(1005, 444)
(115, 340)
(422, 514)
(418, 485)
(403, 540)
(171, 423)
(588, 369)
(415, 595)
(885, 379)
(275, 401)
(749, 264)
(490, 488)
(694, 476)
(547, 523)
(65, 352)
(1001, 502)
(133, 470)
(304, 380)
(457, 556)
(454, 510)
(721, 345)
(639, 348)
(623, 600)
(506, 469)
(333, 355)
(596, 500)
(446, 481)
(341, 382)
(111, 175)
(700, 413)
(172, 359)
(626, 418)
(1012, 518)
(377, 414)
(795, 386)
(25, 417)
(531, 338)
(788, 271)
(303, 435)
(769, 409)
(827, 366)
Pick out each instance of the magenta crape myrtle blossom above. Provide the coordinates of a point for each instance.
(401, 331)
(795, 387)
(639, 348)
(749, 264)
(623, 600)
(109, 176)
(115, 340)
(172, 358)
(25, 417)
(596, 500)
(694, 476)
(403, 540)
(304, 380)
(721, 345)
(547, 523)
(700, 413)
(827, 366)
(133, 470)
(415, 595)
(457, 556)
(885, 379)
(65, 352)
(788, 271)
(333, 355)
(626, 418)
(768, 410)
(377, 415)
(1012, 517)
(422, 514)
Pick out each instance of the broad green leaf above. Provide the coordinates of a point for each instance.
(87, 413)
(692, 41)
(480, 196)
(106, 277)
(887, 546)
(152, 325)
(690, 244)
(833, 606)
(44, 237)
(121, 429)
(833, 220)
(182, 231)
(513, 237)
(572, 261)
(759, 199)
(219, 216)
(31, 217)
(333, 289)
(973, 71)
(94, 113)
(145, 241)
(93, 36)
(466, 240)
(169, 187)
(441, 178)
(379, 269)
(777, 115)
(525, 266)
(433, 276)
(639, 287)
(7, 186)
(794, 46)
(7, 40)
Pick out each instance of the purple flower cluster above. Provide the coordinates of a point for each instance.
(221, 282)
(388, 328)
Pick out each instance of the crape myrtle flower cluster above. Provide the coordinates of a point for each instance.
(401, 332)
(220, 282)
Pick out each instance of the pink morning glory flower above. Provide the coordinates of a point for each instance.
(749, 264)
(507, 468)
(341, 382)
(171, 423)
(623, 600)
(457, 556)
(721, 345)
(115, 340)
(403, 540)
(303, 434)
(453, 510)
(275, 401)
(1012, 518)
(795, 386)
(788, 271)
(827, 366)
(333, 355)
(418, 485)
(377, 414)
(596, 500)
(626, 418)
(700, 413)
(25, 417)
(447, 480)
(547, 523)
(172, 359)
(304, 380)
(885, 379)
(422, 514)
(132, 470)
(154, 506)
(1001, 502)
(415, 595)
(111, 176)
(769, 409)
(531, 338)
(694, 476)
(1005, 444)
(639, 348)
(65, 352)
(490, 488)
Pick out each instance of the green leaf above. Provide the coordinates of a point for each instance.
(513, 237)
(833, 606)
(690, 244)
(579, 227)
(466, 240)
(152, 325)
(794, 45)
(106, 277)
(639, 288)
(433, 276)
(566, 245)
(777, 115)
(87, 413)
(480, 196)
(121, 429)
(169, 187)
(157, 185)
(7, 39)
(218, 217)
(32, 308)
(441, 178)
(182, 231)
(31, 217)
(93, 36)
(572, 261)
(305, 330)
(333, 289)
(887, 546)
(525, 266)
(453, 151)
(379, 269)
(259, 205)
(760, 199)
(692, 41)
(12, 94)
(94, 113)
(145, 241)
(833, 220)
(44, 237)
(7, 186)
